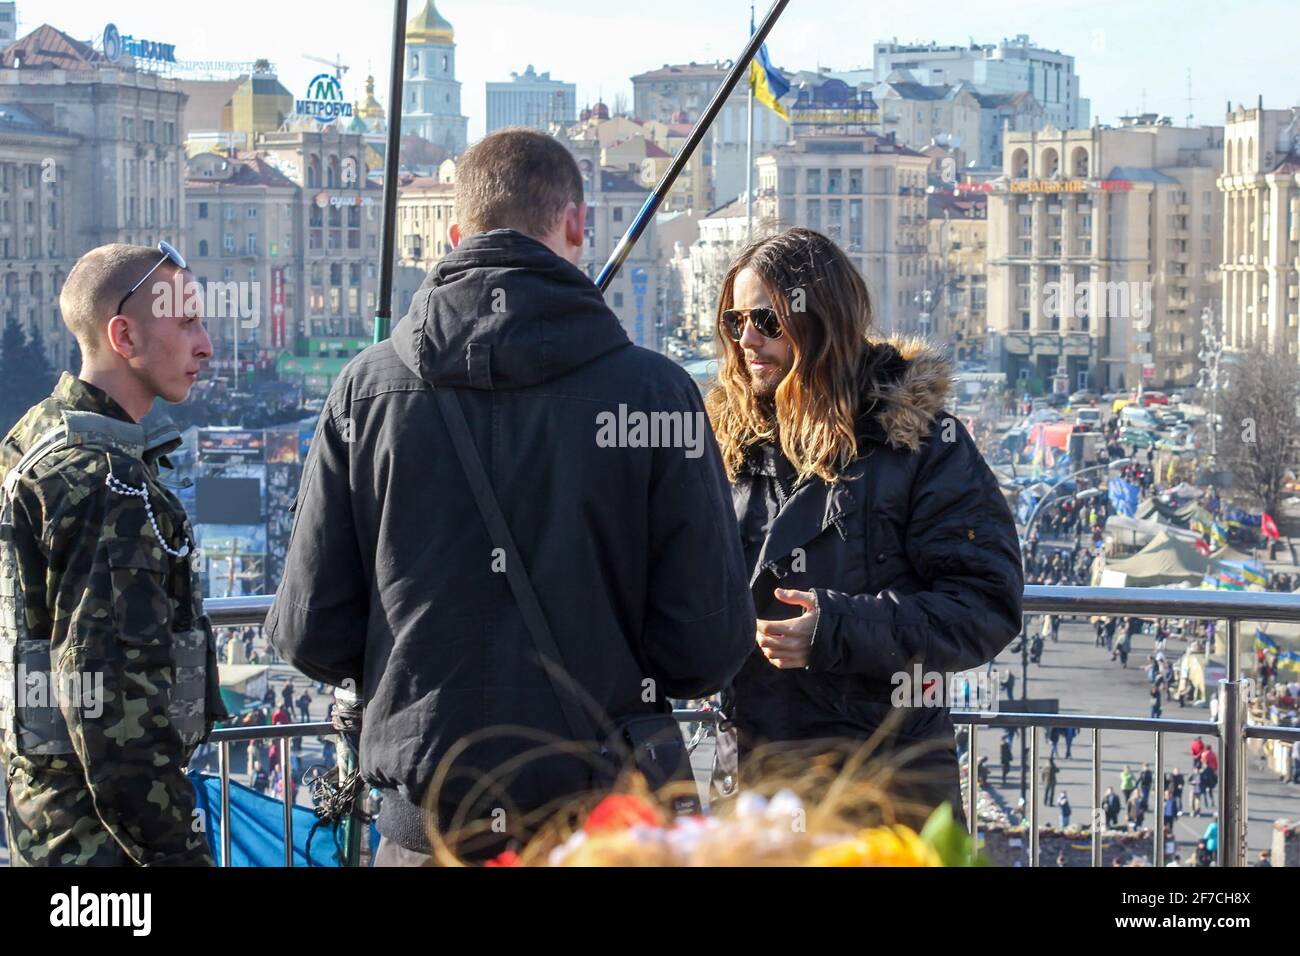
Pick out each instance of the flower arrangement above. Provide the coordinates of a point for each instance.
(627, 829)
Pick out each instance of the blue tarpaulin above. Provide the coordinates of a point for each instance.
(1123, 497)
(257, 827)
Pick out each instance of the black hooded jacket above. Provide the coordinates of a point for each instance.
(914, 562)
(391, 581)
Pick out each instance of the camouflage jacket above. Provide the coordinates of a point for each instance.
(108, 647)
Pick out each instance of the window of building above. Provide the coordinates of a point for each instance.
(203, 210)
(148, 131)
(813, 181)
(618, 300)
(618, 213)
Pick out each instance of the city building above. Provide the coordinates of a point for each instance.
(245, 233)
(110, 168)
(868, 194)
(340, 214)
(425, 206)
(676, 95)
(956, 289)
(919, 115)
(1011, 66)
(613, 198)
(8, 22)
(432, 91)
(723, 234)
(826, 102)
(37, 245)
(1260, 189)
(644, 149)
(230, 114)
(531, 99)
(1000, 113)
(1103, 248)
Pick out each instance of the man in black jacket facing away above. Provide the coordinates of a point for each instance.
(392, 581)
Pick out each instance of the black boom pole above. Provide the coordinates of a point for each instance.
(392, 163)
(656, 198)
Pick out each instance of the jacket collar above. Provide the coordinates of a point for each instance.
(156, 433)
(909, 383)
(814, 507)
(81, 396)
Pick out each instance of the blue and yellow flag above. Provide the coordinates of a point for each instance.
(767, 82)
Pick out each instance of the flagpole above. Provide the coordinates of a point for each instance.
(749, 172)
(749, 151)
(643, 218)
(392, 170)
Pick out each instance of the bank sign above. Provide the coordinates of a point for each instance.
(324, 101)
(116, 46)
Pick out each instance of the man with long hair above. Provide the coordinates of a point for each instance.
(880, 549)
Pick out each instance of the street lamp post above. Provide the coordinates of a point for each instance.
(923, 299)
(1038, 508)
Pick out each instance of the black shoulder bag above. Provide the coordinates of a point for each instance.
(652, 743)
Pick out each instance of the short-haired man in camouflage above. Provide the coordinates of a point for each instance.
(108, 678)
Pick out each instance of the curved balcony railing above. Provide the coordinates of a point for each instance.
(1232, 727)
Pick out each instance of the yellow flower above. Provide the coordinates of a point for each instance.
(879, 846)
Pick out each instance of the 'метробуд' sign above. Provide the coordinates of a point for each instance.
(324, 101)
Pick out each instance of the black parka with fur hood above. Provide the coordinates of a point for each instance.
(914, 560)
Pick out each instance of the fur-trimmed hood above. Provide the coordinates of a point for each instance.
(910, 381)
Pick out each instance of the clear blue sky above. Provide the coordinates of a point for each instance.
(1128, 54)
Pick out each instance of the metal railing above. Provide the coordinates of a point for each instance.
(1232, 727)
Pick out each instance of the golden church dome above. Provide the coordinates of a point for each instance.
(429, 26)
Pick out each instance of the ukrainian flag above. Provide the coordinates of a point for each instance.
(767, 82)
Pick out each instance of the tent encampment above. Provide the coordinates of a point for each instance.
(1164, 561)
(243, 686)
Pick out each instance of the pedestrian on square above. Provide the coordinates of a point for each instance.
(1136, 811)
(1110, 806)
(1048, 778)
(1209, 780)
(1145, 780)
(1127, 782)
(1063, 804)
(1005, 758)
(1177, 783)
(1210, 758)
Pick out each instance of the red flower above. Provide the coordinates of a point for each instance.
(505, 858)
(621, 811)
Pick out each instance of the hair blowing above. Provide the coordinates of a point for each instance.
(826, 314)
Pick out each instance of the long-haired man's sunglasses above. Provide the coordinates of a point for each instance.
(764, 320)
(169, 255)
